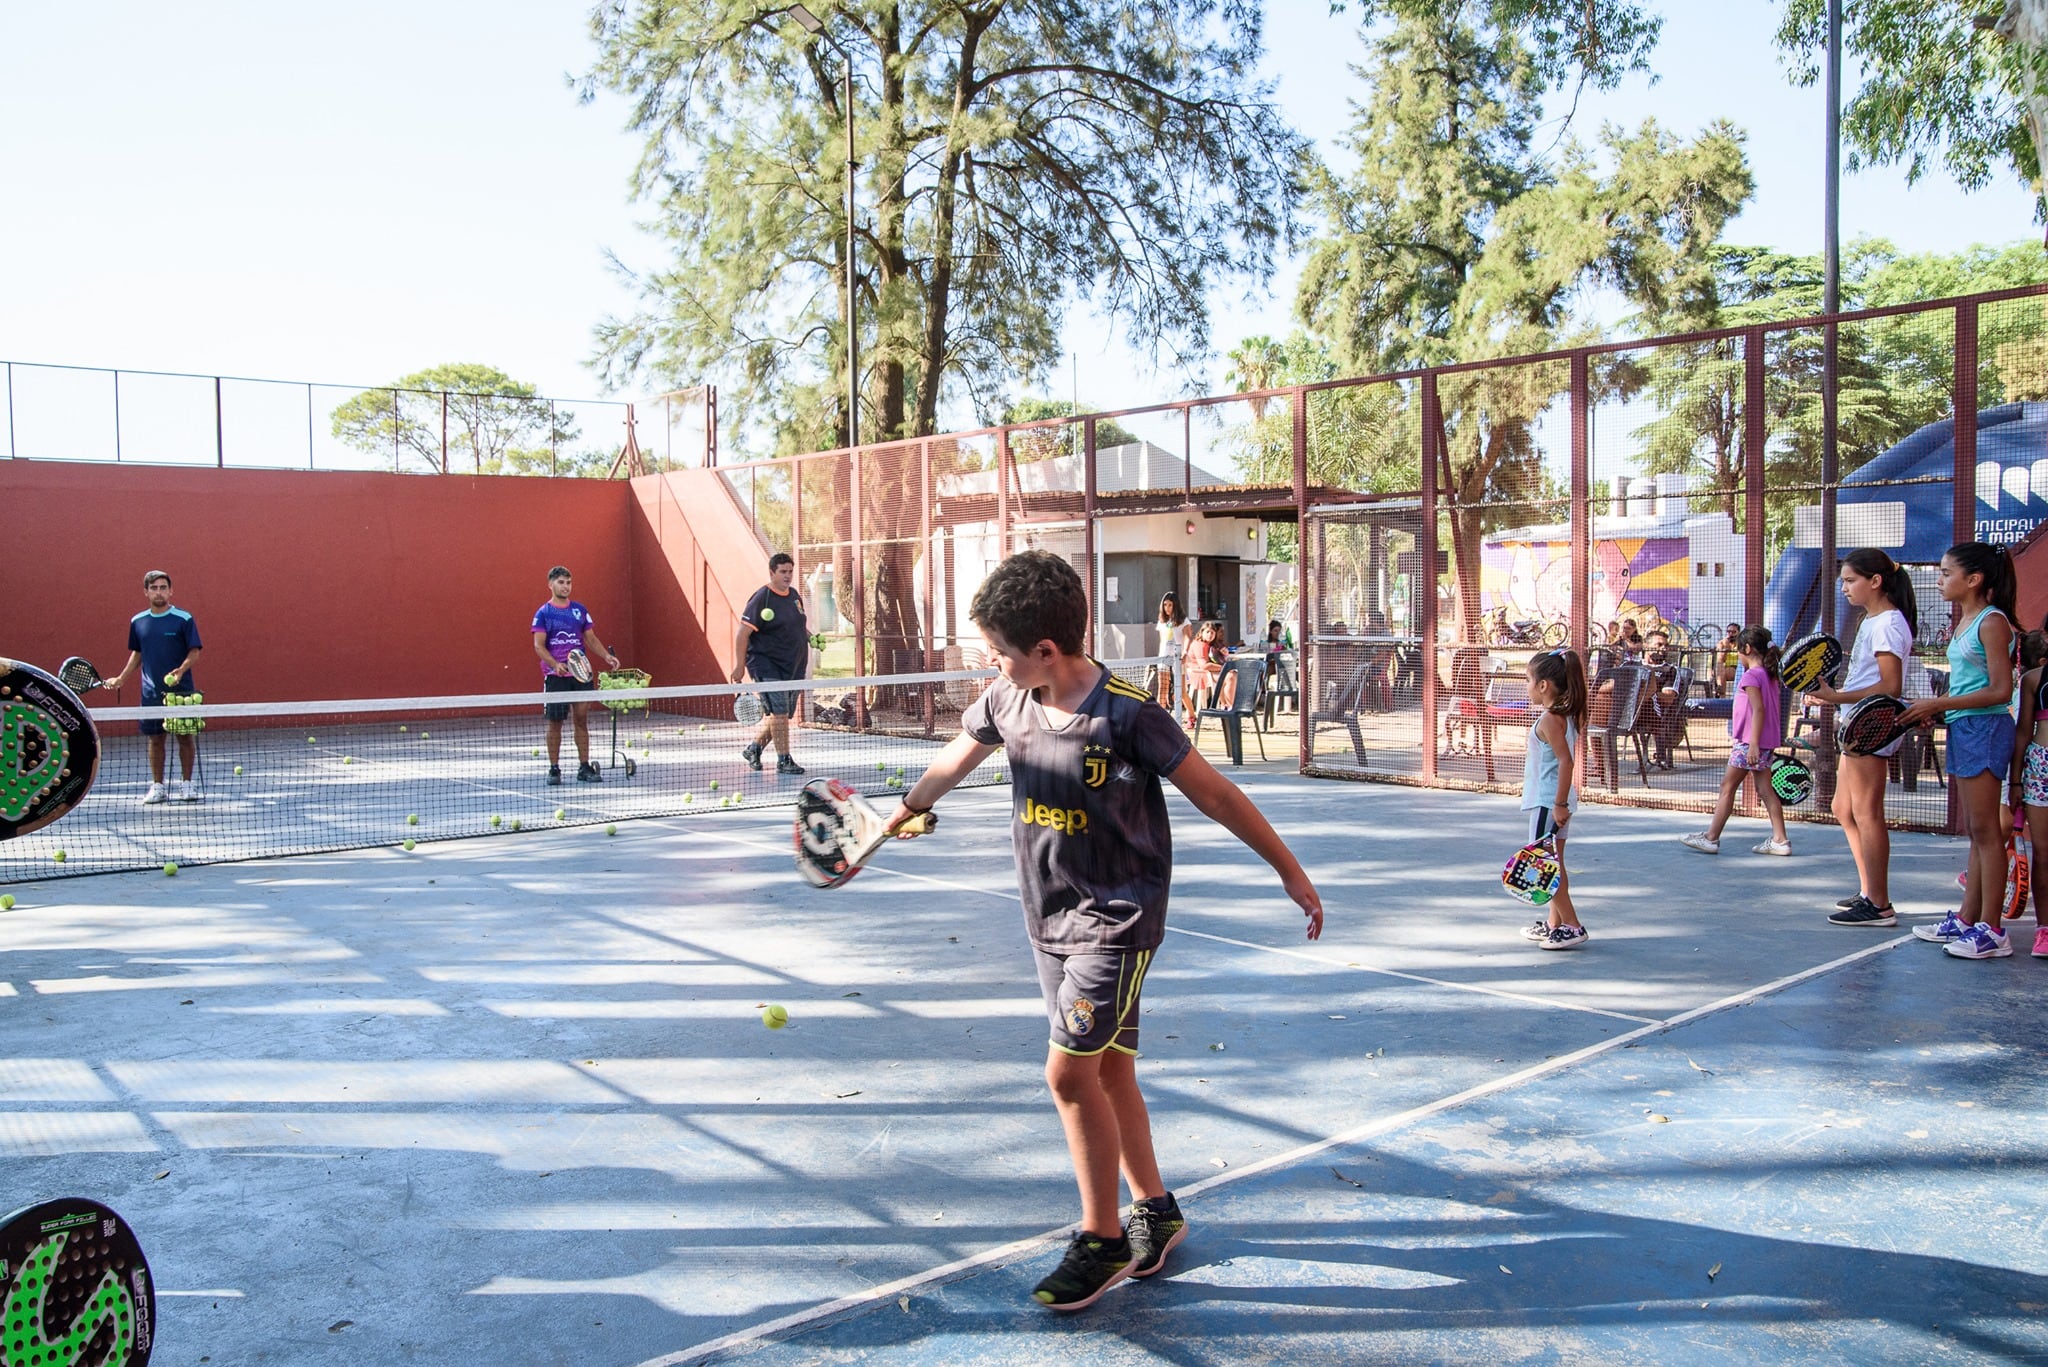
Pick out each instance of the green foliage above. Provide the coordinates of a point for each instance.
(1060, 441)
(1013, 157)
(1935, 84)
(1593, 41)
(493, 424)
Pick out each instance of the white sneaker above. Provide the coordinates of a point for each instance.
(188, 791)
(1701, 841)
(154, 795)
(1772, 846)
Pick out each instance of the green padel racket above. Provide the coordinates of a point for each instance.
(49, 750)
(75, 1290)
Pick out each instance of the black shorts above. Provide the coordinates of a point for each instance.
(154, 726)
(767, 671)
(563, 683)
(1091, 1000)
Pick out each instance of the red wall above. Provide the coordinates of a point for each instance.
(311, 585)
(699, 560)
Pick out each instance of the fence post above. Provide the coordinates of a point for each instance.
(13, 452)
(555, 445)
(1300, 566)
(1582, 500)
(394, 432)
(924, 550)
(857, 561)
(1425, 573)
(1088, 547)
(1753, 514)
(444, 431)
(311, 459)
(1003, 465)
(1964, 480)
(117, 415)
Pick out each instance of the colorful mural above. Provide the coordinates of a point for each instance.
(1632, 576)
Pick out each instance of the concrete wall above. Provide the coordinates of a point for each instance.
(698, 560)
(310, 585)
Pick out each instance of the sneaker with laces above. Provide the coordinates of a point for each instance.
(1702, 842)
(589, 773)
(1861, 911)
(1981, 942)
(1093, 1265)
(2041, 943)
(1772, 846)
(786, 765)
(188, 791)
(751, 753)
(1565, 937)
(554, 776)
(1848, 902)
(1536, 931)
(155, 795)
(1155, 1228)
(1948, 928)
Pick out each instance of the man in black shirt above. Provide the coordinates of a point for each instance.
(773, 642)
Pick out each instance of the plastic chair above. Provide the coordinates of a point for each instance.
(1244, 683)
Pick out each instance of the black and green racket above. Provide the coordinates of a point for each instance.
(74, 1288)
(49, 750)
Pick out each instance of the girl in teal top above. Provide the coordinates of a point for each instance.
(1978, 581)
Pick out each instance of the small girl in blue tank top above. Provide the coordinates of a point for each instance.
(1557, 687)
(1978, 580)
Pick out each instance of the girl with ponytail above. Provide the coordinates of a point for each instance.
(1877, 585)
(1755, 730)
(1978, 580)
(1557, 689)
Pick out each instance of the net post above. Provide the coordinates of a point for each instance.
(924, 549)
(1088, 546)
(1753, 514)
(1425, 572)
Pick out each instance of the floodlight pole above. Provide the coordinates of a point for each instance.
(1831, 304)
(811, 24)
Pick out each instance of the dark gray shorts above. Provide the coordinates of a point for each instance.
(1091, 1000)
(765, 671)
(563, 683)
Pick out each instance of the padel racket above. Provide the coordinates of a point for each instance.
(1534, 874)
(74, 1287)
(49, 750)
(1810, 661)
(1868, 727)
(79, 676)
(837, 832)
(1791, 779)
(747, 709)
(579, 666)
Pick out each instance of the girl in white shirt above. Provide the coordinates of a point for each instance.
(1878, 585)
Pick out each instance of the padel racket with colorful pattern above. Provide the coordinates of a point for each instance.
(1815, 659)
(1869, 726)
(74, 1289)
(1534, 873)
(49, 749)
(837, 832)
(1791, 779)
(579, 666)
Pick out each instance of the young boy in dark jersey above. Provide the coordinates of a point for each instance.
(1086, 751)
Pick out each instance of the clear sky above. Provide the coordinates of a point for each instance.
(345, 194)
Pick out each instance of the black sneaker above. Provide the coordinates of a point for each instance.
(751, 753)
(1093, 1265)
(1848, 902)
(785, 765)
(588, 773)
(554, 776)
(1155, 1228)
(1864, 912)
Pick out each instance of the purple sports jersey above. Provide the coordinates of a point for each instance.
(566, 628)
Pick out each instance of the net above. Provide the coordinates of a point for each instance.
(299, 778)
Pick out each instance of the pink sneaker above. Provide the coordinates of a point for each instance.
(2041, 943)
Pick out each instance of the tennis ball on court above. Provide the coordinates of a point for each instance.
(611, 830)
(561, 814)
(170, 870)
(238, 768)
(774, 1017)
(412, 819)
(700, 729)
(895, 781)
(881, 765)
(6, 901)
(348, 759)
(58, 856)
(497, 820)
(687, 797)
(536, 754)
(517, 823)
(410, 844)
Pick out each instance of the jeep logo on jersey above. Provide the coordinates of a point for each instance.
(1095, 762)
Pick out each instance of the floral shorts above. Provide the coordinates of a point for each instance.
(2034, 779)
(1739, 757)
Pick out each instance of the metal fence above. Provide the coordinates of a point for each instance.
(83, 413)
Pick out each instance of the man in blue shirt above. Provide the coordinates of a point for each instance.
(163, 643)
(559, 626)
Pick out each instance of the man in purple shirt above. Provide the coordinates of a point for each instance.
(559, 626)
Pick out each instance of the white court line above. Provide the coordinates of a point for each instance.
(1342, 966)
(962, 1267)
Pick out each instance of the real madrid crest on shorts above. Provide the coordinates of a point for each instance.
(1081, 1018)
(1096, 761)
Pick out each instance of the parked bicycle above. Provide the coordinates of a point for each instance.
(1533, 632)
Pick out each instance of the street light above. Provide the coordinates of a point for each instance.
(813, 25)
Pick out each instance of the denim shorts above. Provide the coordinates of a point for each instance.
(1980, 745)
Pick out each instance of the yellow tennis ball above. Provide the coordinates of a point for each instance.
(424, 736)
(172, 677)
(517, 823)
(687, 797)
(6, 901)
(58, 856)
(410, 844)
(714, 785)
(767, 614)
(536, 754)
(561, 814)
(238, 768)
(312, 740)
(401, 730)
(348, 759)
(497, 820)
(412, 819)
(774, 1017)
(611, 830)
(170, 870)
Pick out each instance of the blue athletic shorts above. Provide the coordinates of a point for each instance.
(1980, 745)
(154, 726)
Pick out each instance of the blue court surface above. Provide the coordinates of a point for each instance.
(509, 1100)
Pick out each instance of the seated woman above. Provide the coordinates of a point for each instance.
(1201, 665)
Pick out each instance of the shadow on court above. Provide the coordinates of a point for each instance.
(514, 1094)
